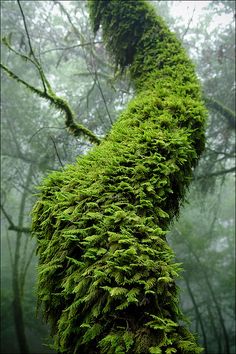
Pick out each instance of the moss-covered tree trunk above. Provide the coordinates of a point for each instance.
(106, 273)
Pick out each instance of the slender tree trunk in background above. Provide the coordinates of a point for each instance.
(198, 314)
(216, 334)
(17, 298)
(218, 309)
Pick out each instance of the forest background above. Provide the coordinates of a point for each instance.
(34, 141)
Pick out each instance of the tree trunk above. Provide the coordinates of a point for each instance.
(17, 298)
(198, 314)
(215, 301)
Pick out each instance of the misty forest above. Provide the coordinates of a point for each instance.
(117, 184)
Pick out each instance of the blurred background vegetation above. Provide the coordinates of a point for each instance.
(35, 141)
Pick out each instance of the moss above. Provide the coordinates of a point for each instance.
(106, 273)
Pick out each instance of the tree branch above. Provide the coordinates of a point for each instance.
(219, 107)
(45, 82)
(225, 154)
(12, 226)
(188, 26)
(55, 147)
(71, 47)
(75, 129)
(81, 37)
(218, 173)
(103, 97)
(26, 84)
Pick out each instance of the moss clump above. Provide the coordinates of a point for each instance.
(106, 273)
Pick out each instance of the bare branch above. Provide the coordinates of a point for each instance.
(188, 26)
(12, 226)
(225, 154)
(44, 80)
(71, 47)
(224, 111)
(27, 32)
(31, 138)
(55, 147)
(103, 97)
(218, 173)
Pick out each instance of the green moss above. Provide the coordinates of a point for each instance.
(106, 273)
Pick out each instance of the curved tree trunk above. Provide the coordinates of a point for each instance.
(107, 274)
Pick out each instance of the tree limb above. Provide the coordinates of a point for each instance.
(55, 147)
(44, 80)
(218, 173)
(71, 47)
(188, 26)
(75, 129)
(219, 107)
(12, 226)
(103, 97)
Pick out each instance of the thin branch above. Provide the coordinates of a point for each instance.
(31, 138)
(7, 216)
(90, 73)
(26, 230)
(97, 82)
(89, 93)
(44, 80)
(188, 26)
(25, 158)
(27, 32)
(55, 147)
(103, 97)
(224, 111)
(26, 84)
(226, 154)
(218, 173)
(23, 56)
(71, 47)
(82, 38)
(79, 35)
(12, 226)
(75, 129)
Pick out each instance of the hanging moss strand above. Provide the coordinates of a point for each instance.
(107, 275)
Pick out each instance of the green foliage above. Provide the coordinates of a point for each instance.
(107, 275)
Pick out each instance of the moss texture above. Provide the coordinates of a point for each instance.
(106, 273)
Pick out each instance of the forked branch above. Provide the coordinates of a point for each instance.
(77, 130)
